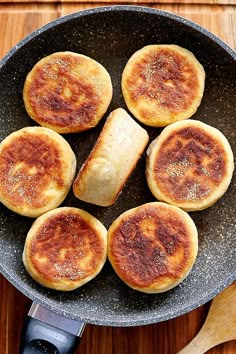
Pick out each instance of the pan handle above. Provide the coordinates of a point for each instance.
(47, 332)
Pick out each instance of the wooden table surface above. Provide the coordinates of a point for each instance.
(19, 18)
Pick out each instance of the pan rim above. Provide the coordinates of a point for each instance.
(121, 322)
(21, 286)
(132, 8)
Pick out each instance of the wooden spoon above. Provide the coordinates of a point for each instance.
(220, 324)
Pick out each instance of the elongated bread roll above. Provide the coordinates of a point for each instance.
(113, 158)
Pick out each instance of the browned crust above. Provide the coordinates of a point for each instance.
(164, 76)
(162, 84)
(152, 247)
(69, 246)
(37, 167)
(65, 248)
(189, 165)
(34, 153)
(67, 92)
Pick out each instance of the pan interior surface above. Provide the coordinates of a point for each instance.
(111, 35)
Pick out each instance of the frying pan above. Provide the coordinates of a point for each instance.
(111, 35)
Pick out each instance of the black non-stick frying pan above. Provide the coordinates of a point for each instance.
(111, 35)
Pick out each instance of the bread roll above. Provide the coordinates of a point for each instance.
(113, 158)
(162, 84)
(37, 168)
(67, 92)
(189, 165)
(65, 248)
(153, 247)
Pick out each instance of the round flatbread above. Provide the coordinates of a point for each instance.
(65, 248)
(162, 84)
(37, 168)
(153, 247)
(190, 165)
(67, 92)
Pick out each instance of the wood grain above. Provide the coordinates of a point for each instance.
(130, 2)
(162, 338)
(18, 19)
(220, 324)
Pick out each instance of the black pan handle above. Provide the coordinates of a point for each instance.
(47, 332)
(40, 337)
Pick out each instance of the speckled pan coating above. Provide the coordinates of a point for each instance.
(111, 35)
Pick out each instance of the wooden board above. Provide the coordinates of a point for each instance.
(130, 2)
(19, 19)
(163, 338)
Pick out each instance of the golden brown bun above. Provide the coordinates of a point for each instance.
(67, 92)
(153, 247)
(113, 158)
(65, 248)
(189, 165)
(37, 168)
(162, 84)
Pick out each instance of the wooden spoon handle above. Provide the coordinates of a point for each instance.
(220, 324)
(201, 343)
